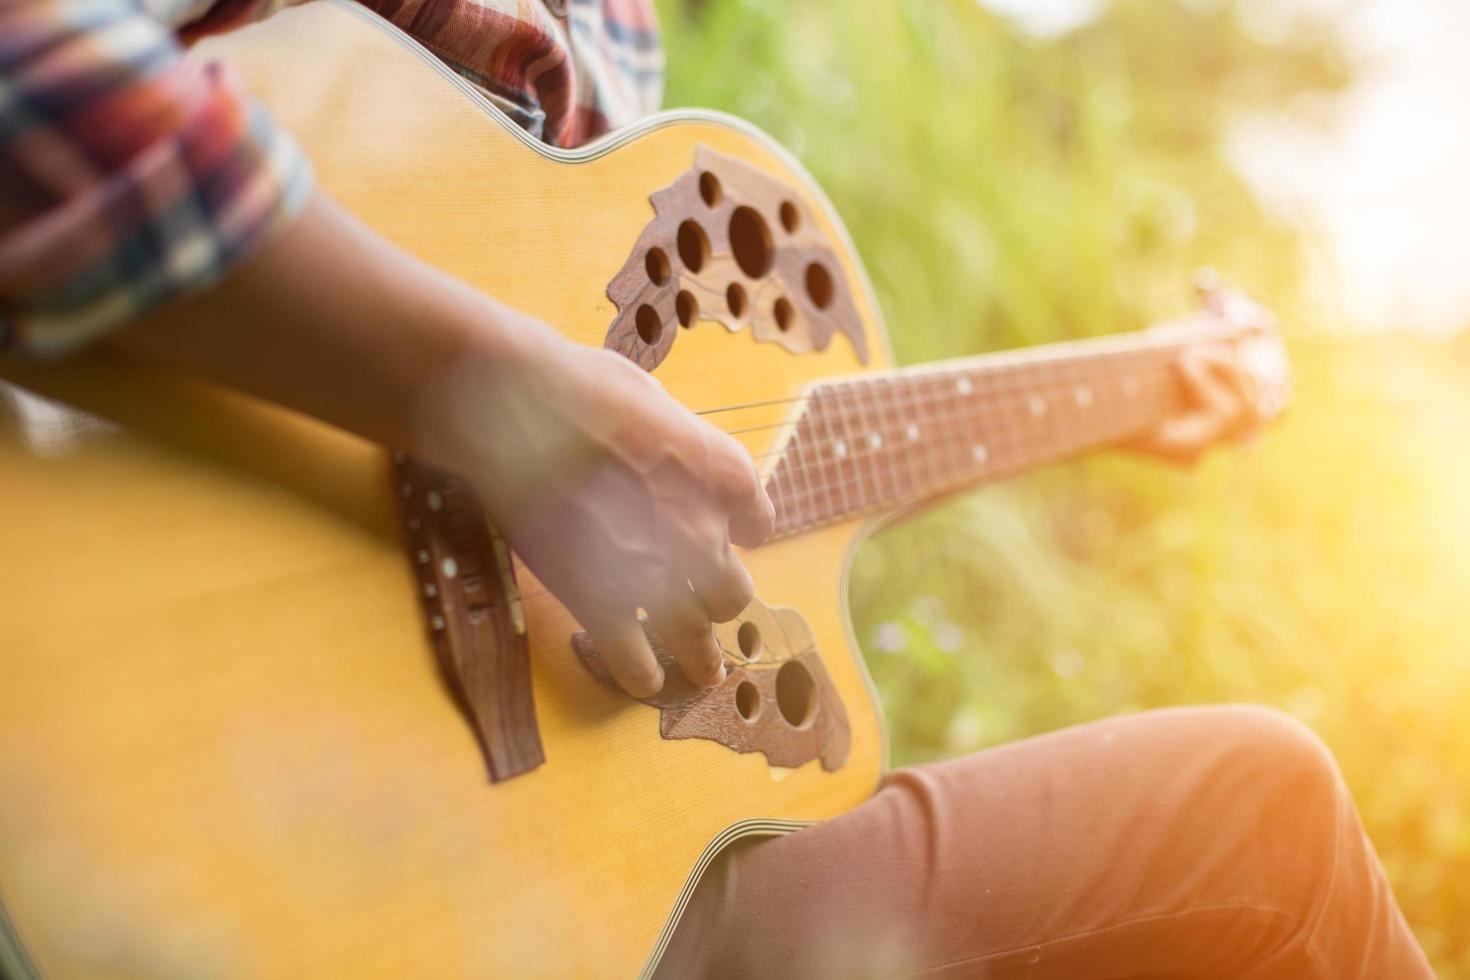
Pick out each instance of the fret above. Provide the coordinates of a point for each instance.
(847, 447)
(1069, 412)
(863, 452)
(901, 441)
(1047, 409)
(984, 426)
(787, 516)
(955, 400)
(949, 432)
(838, 480)
(827, 474)
(1078, 416)
(886, 452)
(1136, 396)
(880, 442)
(1007, 436)
(973, 422)
(873, 488)
(925, 435)
(1084, 397)
(816, 513)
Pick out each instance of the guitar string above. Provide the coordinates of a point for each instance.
(1007, 397)
(957, 477)
(922, 399)
(918, 388)
(999, 406)
(961, 477)
(956, 373)
(851, 475)
(977, 377)
(797, 512)
(999, 411)
(1012, 437)
(1013, 360)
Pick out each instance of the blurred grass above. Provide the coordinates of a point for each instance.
(1006, 190)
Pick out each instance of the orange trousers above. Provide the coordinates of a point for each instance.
(1210, 842)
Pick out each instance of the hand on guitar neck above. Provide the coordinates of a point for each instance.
(1219, 407)
(616, 496)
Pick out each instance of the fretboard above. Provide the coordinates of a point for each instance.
(868, 443)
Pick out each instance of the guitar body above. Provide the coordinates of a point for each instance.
(226, 748)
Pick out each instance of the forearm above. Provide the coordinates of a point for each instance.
(332, 320)
(615, 496)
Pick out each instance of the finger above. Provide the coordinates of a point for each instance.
(1214, 406)
(1247, 415)
(626, 653)
(1182, 440)
(1247, 389)
(738, 483)
(1202, 372)
(723, 584)
(753, 518)
(681, 622)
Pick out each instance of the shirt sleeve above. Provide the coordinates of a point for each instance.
(129, 175)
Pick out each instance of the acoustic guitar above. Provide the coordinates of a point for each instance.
(275, 702)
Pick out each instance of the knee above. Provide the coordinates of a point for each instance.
(1284, 762)
(1270, 740)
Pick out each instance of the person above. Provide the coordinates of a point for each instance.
(147, 205)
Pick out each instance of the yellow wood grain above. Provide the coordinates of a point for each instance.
(225, 749)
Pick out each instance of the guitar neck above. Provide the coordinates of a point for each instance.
(876, 442)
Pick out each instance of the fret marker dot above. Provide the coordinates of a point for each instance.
(839, 449)
(449, 567)
(1038, 406)
(912, 432)
(1130, 387)
(963, 386)
(435, 501)
(1083, 396)
(979, 453)
(875, 440)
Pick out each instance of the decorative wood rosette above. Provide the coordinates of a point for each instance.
(730, 243)
(777, 698)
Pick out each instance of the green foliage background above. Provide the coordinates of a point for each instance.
(1005, 190)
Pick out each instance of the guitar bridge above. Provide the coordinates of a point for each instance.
(473, 610)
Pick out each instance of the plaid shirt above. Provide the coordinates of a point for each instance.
(130, 175)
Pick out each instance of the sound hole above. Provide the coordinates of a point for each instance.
(709, 189)
(750, 240)
(748, 701)
(749, 638)
(735, 299)
(693, 245)
(657, 264)
(790, 217)
(819, 287)
(796, 694)
(650, 326)
(686, 307)
(784, 313)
